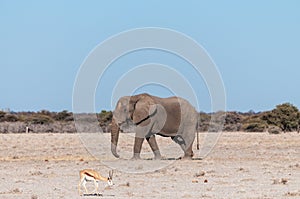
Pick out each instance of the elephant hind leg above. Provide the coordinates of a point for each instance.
(179, 140)
(154, 147)
(188, 151)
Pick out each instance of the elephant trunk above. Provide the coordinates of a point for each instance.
(114, 137)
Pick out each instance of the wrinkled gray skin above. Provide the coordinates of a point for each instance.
(172, 117)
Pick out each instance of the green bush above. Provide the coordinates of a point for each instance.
(11, 118)
(105, 116)
(254, 127)
(63, 116)
(104, 119)
(274, 130)
(285, 116)
(39, 119)
(2, 115)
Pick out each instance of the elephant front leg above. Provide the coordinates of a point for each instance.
(138, 141)
(154, 147)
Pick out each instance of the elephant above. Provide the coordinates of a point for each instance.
(172, 117)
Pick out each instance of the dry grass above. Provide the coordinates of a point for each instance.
(242, 165)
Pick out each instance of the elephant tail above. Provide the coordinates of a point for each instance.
(197, 129)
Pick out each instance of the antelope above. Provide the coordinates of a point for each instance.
(88, 175)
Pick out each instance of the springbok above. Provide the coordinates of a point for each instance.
(88, 175)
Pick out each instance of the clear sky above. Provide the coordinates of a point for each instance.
(255, 45)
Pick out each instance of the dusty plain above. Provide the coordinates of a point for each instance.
(241, 165)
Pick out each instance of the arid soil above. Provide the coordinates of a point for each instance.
(241, 165)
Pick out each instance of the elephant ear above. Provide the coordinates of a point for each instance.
(141, 107)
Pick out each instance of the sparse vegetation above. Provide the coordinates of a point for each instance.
(283, 118)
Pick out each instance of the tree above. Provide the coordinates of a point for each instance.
(286, 116)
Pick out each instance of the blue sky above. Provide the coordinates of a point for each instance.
(255, 45)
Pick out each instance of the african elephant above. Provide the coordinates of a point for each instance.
(169, 117)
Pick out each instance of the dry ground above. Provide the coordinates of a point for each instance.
(242, 165)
